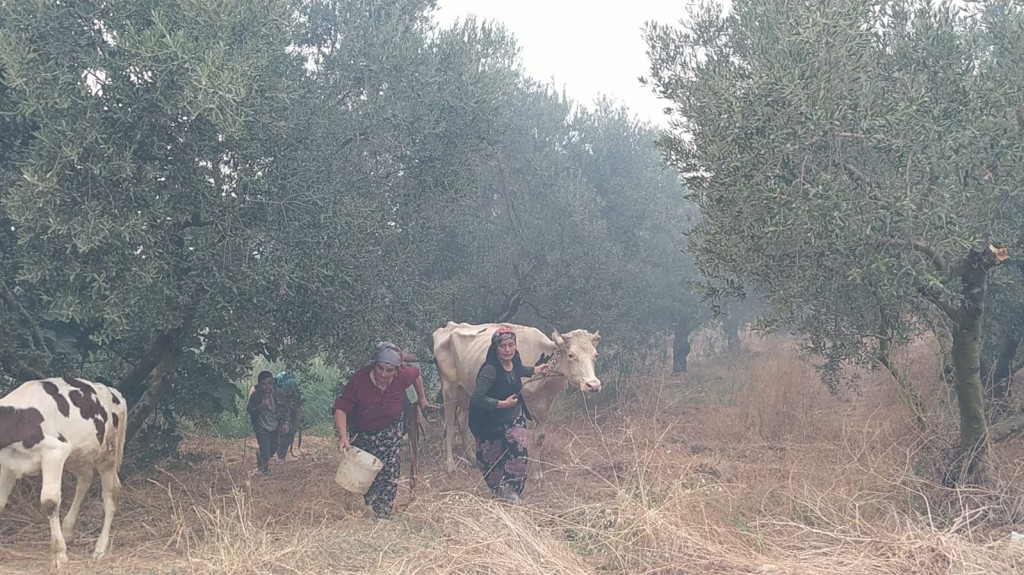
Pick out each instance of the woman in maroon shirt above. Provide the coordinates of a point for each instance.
(370, 409)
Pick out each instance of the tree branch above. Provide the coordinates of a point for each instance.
(15, 306)
(934, 257)
(541, 313)
(511, 307)
(950, 311)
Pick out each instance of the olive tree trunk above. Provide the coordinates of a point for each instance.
(967, 322)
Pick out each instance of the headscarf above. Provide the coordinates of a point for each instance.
(387, 352)
(501, 334)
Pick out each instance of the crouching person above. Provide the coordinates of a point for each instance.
(369, 412)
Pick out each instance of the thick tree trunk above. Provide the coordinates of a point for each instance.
(731, 326)
(151, 397)
(967, 322)
(144, 384)
(133, 384)
(971, 401)
(680, 347)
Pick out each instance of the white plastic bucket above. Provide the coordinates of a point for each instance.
(357, 470)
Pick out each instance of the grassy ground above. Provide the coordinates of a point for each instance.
(744, 466)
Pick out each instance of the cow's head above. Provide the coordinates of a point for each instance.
(578, 352)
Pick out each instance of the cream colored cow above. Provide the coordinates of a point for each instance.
(460, 349)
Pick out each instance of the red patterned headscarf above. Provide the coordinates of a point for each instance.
(501, 334)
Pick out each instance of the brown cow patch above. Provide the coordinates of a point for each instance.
(88, 403)
(113, 397)
(114, 418)
(62, 402)
(24, 425)
(61, 438)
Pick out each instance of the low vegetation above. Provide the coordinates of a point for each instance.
(746, 465)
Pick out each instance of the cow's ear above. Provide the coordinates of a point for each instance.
(557, 338)
(596, 337)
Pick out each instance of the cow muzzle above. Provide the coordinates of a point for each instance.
(592, 385)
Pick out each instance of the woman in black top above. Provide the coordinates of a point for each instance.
(497, 418)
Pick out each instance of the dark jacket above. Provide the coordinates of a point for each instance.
(493, 383)
(281, 404)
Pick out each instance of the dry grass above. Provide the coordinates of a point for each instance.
(747, 466)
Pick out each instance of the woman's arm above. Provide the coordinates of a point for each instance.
(341, 422)
(533, 370)
(484, 380)
(342, 405)
(420, 392)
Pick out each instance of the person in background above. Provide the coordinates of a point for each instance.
(368, 415)
(269, 416)
(289, 386)
(497, 416)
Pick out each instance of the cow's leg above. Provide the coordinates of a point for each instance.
(111, 490)
(449, 431)
(539, 433)
(7, 481)
(49, 499)
(467, 438)
(83, 479)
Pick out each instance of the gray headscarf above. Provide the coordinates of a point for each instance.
(387, 352)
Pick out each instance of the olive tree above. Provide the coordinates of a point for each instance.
(196, 183)
(857, 162)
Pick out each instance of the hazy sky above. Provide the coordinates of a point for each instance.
(587, 47)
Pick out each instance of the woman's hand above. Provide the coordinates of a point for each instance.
(510, 401)
(285, 428)
(343, 443)
(542, 369)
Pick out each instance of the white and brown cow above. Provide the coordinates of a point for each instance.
(53, 424)
(460, 349)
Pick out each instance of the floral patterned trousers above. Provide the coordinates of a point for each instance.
(386, 445)
(503, 460)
